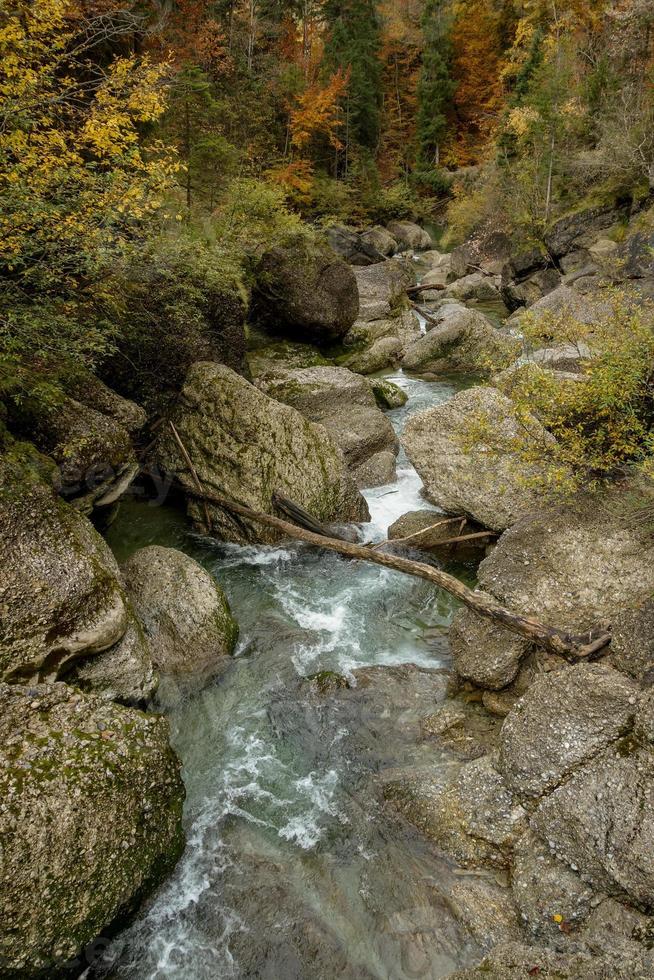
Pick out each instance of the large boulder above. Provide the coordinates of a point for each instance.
(575, 565)
(462, 340)
(341, 401)
(489, 487)
(409, 235)
(565, 719)
(382, 289)
(475, 286)
(184, 612)
(246, 447)
(580, 229)
(486, 252)
(526, 292)
(381, 240)
(471, 816)
(89, 390)
(306, 291)
(352, 247)
(90, 821)
(601, 820)
(373, 345)
(429, 530)
(387, 394)
(93, 451)
(61, 596)
(567, 301)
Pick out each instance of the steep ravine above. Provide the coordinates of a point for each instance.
(291, 867)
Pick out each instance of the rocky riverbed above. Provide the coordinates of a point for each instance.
(369, 792)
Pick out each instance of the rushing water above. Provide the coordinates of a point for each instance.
(292, 868)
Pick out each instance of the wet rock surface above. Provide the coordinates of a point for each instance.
(91, 794)
(185, 614)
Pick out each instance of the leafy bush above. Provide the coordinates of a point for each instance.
(602, 421)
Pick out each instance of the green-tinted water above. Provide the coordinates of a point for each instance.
(291, 867)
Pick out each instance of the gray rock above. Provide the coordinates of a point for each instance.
(580, 229)
(352, 247)
(305, 291)
(436, 279)
(487, 912)
(247, 447)
(387, 394)
(60, 590)
(472, 816)
(489, 487)
(601, 821)
(566, 358)
(381, 240)
(184, 612)
(463, 728)
(515, 962)
(553, 900)
(528, 291)
(94, 393)
(572, 565)
(577, 563)
(381, 353)
(463, 340)
(124, 673)
(409, 235)
(565, 719)
(487, 251)
(342, 402)
(90, 822)
(475, 286)
(382, 289)
(632, 644)
(483, 652)
(93, 452)
(376, 471)
(622, 935)
(567, 300)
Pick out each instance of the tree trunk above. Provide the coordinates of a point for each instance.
(556, 641)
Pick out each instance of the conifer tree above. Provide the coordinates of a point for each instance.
(353, 44)
(435, 86)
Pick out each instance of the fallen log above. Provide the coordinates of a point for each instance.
(571, 647)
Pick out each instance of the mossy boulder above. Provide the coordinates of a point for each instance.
(61, 597)
(387, 394)
(90, 821)
(93, 451)
(462, 340)
(184, 612)
(305, 291)
(276, 359)
(247, 447)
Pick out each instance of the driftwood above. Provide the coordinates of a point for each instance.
(419, 289)
(571, 647)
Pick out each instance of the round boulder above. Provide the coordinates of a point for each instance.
(306, 291)
(90, 822)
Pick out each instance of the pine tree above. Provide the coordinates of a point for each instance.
(353, 44)
(435, 86)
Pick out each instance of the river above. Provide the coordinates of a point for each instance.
(292, 868)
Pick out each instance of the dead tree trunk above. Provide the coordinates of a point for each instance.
(556, 641)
